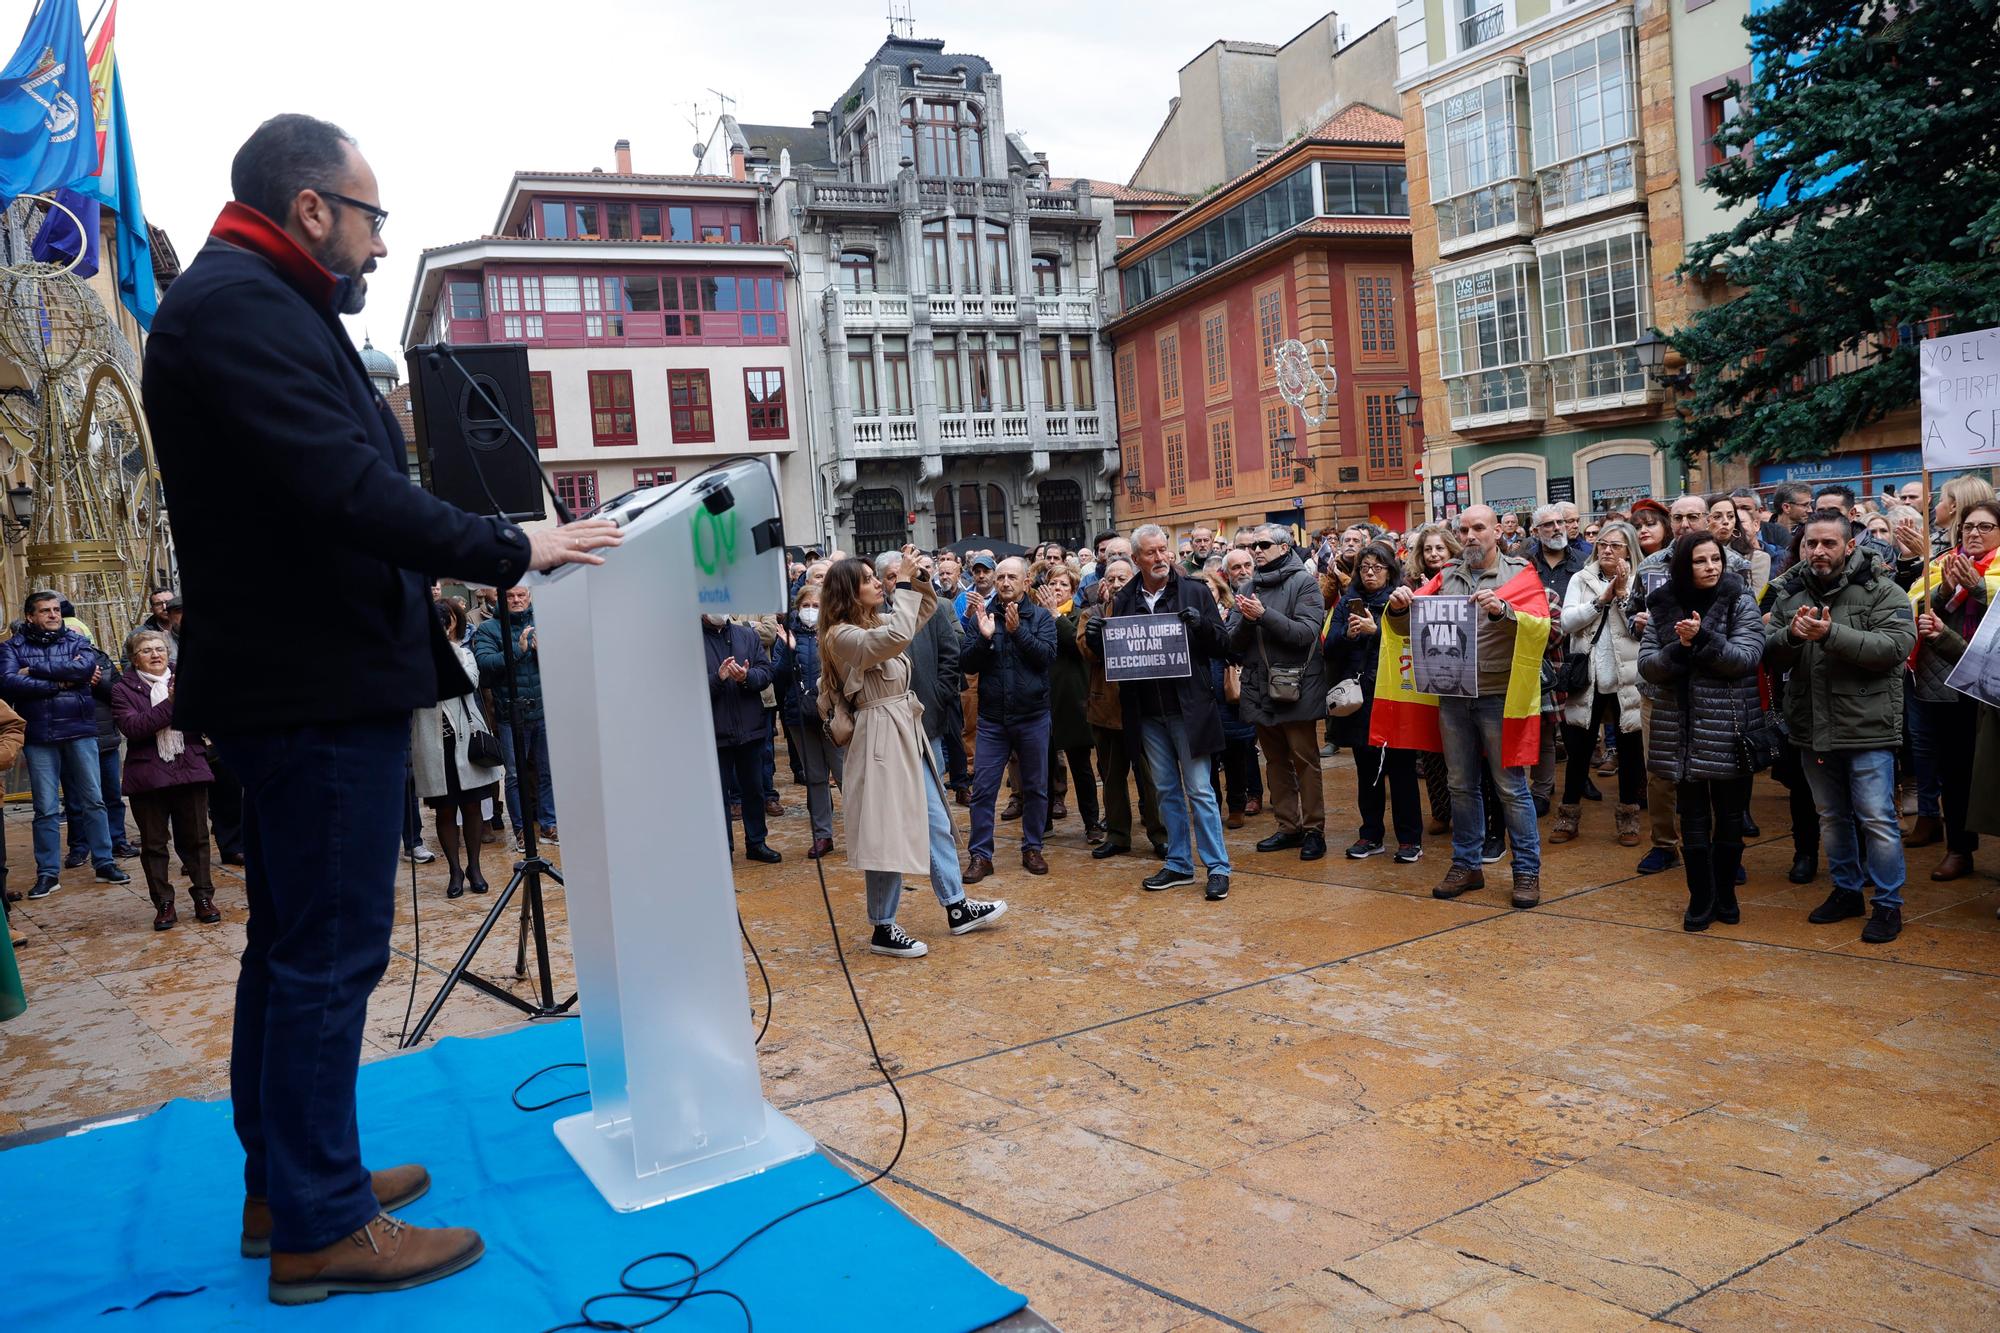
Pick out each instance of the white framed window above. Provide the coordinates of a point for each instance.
(1487, 350)
(1584, 110)
(1476, 130)
(562, 295)
(1596, 301)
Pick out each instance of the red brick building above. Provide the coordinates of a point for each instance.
(1313, 244)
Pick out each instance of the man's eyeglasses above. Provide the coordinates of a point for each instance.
(377, 215)
(1262, 546)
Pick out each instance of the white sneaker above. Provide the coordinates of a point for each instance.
(420, 855)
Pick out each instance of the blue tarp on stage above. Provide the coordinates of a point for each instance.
(117, 1216)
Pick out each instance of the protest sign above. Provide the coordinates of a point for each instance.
(1444, 646)
(1958, 381)
(1977, 674)
(1145, 648)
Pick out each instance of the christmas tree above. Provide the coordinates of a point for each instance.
(1870, 162)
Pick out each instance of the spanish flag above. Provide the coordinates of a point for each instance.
(1406, 720)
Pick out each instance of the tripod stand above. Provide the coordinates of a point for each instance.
(528, 873)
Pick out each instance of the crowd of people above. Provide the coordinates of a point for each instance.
(1677, 650)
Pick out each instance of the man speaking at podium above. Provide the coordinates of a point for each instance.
(281, 463)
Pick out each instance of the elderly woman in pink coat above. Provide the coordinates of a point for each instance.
(891, 772)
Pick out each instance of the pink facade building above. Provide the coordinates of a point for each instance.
(658, 322)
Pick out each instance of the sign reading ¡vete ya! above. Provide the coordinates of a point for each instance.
(1145, 648)
(1958, 380)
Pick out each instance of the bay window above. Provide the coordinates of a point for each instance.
(1486, 348)
(1476, 137)
(1581, 91)
(1595, 306)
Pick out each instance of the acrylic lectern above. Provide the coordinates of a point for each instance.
(675, 1102)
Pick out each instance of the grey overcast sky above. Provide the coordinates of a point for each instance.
(448, 99)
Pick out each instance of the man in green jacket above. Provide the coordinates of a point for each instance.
(1843, 629)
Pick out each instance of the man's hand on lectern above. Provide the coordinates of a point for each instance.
(573, 543)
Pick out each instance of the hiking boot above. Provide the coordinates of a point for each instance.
(1459, 879)
(1282, 841)
(1660, 858)
(976, 869)
(890, 941)
(1568, 816)
(1527, 889)
(397, 1187)
(385, 1255)
(1840, 905)
(1627, 817)
(1314, 846)
(1218, 888)
(1033, 861)
(972, 913)
(1885, 925)
(1926, 832)
(1164, 878)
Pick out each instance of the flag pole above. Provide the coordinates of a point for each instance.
(101, 6)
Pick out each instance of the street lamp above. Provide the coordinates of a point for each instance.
(1408, 404)
(1651, 352)
(20, 510)
(1133, 489)
(1287, 443)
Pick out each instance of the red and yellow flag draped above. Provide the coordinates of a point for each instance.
(1406, 720)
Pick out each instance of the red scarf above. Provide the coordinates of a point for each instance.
(244, 227)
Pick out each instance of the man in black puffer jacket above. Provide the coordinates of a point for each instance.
(1011, 646)
(47, 671)
(738, 674)
(1277, 628)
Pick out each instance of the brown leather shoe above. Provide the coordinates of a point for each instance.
(1253, 806)
(204, 906)
(1033, 862)
(385, 1255)
(397, 1187)
(1013, 809)
(1956, 865)
(1234, 819)
(976, 869)
(1926, 832)
(1459, 879)
(1527, 889)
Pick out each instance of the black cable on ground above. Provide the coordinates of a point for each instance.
(675, 1293)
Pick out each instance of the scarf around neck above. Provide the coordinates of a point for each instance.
(170, 742)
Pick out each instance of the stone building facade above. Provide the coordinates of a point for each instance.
(949, 314)
(1547, 198)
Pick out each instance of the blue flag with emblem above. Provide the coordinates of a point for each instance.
(47, 139)
(117, 186)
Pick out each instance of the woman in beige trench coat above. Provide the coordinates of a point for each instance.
(891, 769)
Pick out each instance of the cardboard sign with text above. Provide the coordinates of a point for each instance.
(1444, 643)
(1146, 648)
(1958, 381)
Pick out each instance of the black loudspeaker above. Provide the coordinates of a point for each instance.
(465, 453)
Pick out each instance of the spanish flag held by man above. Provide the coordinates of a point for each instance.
(1502, 723)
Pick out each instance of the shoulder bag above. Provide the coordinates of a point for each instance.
(1574, 675)
(836, 714)
(1284, 684)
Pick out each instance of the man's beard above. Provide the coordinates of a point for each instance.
(354, 292)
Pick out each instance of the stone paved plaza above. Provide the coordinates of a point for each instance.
(1330, 1102)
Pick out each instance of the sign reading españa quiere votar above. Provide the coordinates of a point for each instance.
(1145, 648)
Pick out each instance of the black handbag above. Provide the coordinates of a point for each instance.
(483, 748)
(1573, 677)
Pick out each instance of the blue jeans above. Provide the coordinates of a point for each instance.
(322, 824)
(1923, 755)
(53, 767)
(996, 741)
(1173, 769)
(1466, 724)
(1856, 789)
(885, 887)
(110, 777)
(535, 736)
